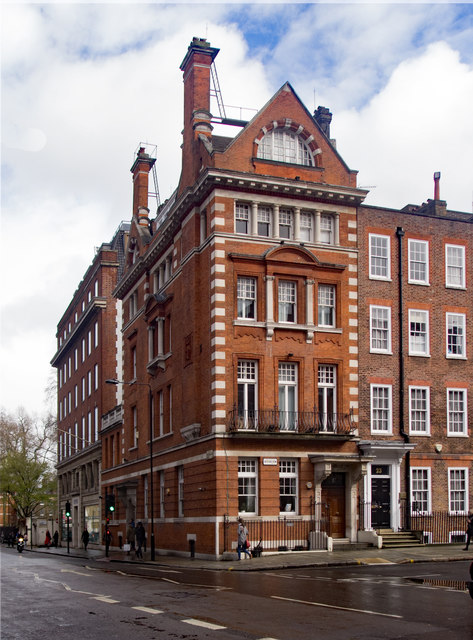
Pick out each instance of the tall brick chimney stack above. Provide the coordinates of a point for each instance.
(437, 185)
(140, 170)
(196, 73)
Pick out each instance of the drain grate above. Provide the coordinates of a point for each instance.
(453, 585)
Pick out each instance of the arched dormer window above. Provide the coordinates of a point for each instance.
(282, 145)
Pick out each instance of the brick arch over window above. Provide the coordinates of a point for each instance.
(290, 126)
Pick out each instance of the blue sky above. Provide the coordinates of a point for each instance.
(84, 84)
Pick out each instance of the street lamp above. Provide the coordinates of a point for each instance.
(150, 420)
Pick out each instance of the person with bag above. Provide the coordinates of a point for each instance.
(130, 537)
(243, 544)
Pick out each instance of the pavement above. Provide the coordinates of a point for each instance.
(282, 560)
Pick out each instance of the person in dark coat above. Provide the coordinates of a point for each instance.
(469, 531)
(140, 539)
(85, 538)
(47, 540)
(56, 539)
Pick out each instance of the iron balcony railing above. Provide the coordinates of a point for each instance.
(297, 422)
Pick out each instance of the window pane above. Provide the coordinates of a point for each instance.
(381, 409)
(455, 334)
(326, 305)
(246, 298)
(379, 256)
(455, 266)
(418, 332)
(418, 256)
(419, 410)
(380, 328)
(456, 411)
(287, 301)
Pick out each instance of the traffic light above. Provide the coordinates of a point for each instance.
(68, 509)
(110, 502)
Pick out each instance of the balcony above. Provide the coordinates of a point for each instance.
(291, 422)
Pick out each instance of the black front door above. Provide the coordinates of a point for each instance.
(380, 502)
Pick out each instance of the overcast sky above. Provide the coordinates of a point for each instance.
(84, 84)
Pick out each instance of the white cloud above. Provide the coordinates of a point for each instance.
(419, 123)
(84, 84)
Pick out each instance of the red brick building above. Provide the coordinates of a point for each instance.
(240, 334)
(416, 368)
(88, 344)
(287, 354)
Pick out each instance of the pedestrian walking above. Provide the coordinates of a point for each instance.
(56, 539)
(243, 544)
(85, 538)
(140, 534)
(130, 537)
(469, 531)
(47, 540)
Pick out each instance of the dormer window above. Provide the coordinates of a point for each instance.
(281, 145)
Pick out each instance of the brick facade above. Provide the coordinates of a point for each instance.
(246, 372)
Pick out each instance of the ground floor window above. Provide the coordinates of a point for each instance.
(458, 490)
(92, 522)
(288, 486)
(420, 490)
(247, 483)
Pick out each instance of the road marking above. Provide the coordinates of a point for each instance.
(169, 580)
(105, 599)
(78, 573)
(147, 609)
(160, 570)
(201, 623)
(332, 606)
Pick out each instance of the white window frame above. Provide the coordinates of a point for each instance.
(247, 385)
(460, 266)
(327, 228)
(286, 222)
(248, 478)
(287, 300)
(461, 394)
(416, 411)
(242, 214)
(452, 490)
(326, 305)
(281, 145)
(426, 489)
(384, 328)
(385, 255)
(459, 337)
(288, 485)
(246, 291)
(288, 387)
(264, 217)
(415, 333)
(307, 226)
(388, 419)
(326, 386)
(418, 262)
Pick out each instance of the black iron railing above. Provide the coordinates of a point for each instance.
(436, 527)
(306, 422)
(279, 533)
